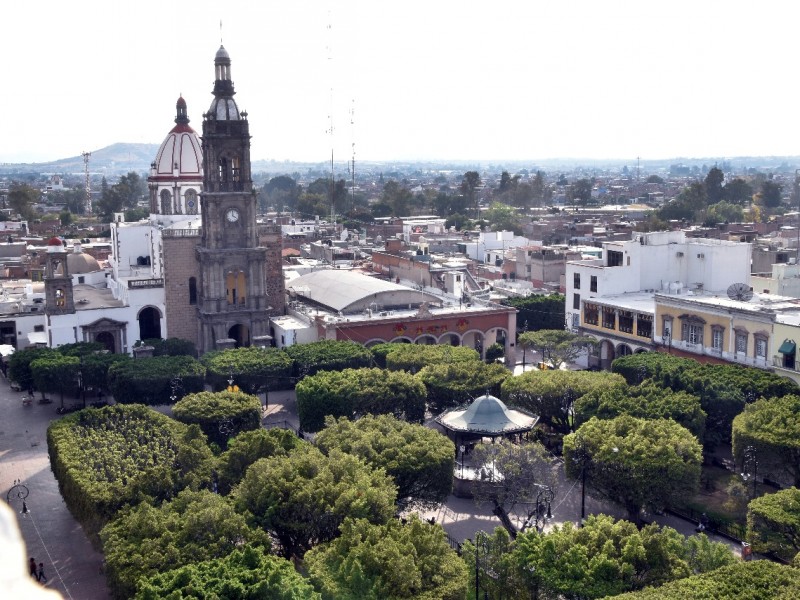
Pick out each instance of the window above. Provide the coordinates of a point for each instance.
(576, 281)
(60, 299)
(609, 318)
(222, 170)
(38, 328)
(236, 171)
(576, 301)
(692, 333)
(236, 288)
(81, 279)
(593, 284)
(166, 202)
(644, 326)
(191, 202)
(192, 290)
(741, 342)
(666, 329)
(626, 321)
(614, 258)
(717, 338)
(590, 314)
(761, 347)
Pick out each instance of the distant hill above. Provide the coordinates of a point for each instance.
(111, 160)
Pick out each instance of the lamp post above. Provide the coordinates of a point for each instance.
(176, 383)
(544, 498)
(580, 457)
(524, 345)
(480, 540)
(750, 467)
(20, 492)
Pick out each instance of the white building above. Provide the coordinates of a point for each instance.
(611, 298)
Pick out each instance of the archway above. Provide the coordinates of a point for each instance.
(639, 350)
(149, 323)
(450, 338)
(241, 334)
(607, 355)
(624, 350)
(427, 340)
(107, 339)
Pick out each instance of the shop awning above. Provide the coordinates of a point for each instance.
(787, 347)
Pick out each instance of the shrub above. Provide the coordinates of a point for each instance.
(155, 380)
(414, 357)
(254, 370)
(328, 355)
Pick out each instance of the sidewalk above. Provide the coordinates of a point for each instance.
(50, 533)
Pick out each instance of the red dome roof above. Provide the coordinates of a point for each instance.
(54, 241)
(181, 103)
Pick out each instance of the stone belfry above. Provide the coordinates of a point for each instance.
(232, 299)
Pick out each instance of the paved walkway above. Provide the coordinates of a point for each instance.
(50, 533)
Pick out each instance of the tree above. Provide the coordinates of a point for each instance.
(773, 523)
(19, 364)
(418, 459)
(539, 311)
(654, 179)
(172, 347)
(516, 473)
(714, 181)
(281, 193)
(304, 497)
(414, 357)
(582, 191)
(247, 572)
(194, 526)
(770, 194)
(108, 457)
(327, 355)
(354, 392)
(503, 218)
(56, 374)
(772, 427)
(469, 189)
(393, 561)
(540, 192)
(22, 198)
(755, 580)
(640, 463)
(398, 197)
(723, 212)
(246, 448)
(156, 380)
(456, 383)
(557, 346)
(551, 394)
(647, 401)
(254, 370)
(221, 415)
(738, 191)
(605, 557)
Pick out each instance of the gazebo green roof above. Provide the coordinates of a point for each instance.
(487, 415)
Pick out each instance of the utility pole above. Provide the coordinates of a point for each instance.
(87, 203)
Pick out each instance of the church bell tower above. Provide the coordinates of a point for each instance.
(232, 296)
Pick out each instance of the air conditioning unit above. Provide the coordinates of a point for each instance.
(679, 254)
(701, 256)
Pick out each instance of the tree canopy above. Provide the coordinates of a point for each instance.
(193, 527)
(772, 427)
(413, 357)
(418, 459)
(304, 497)
(328, 355)
(156, 380)
(254, 370)
(221, 415)
(453, 384)
(640, 463)
(557, 346)
(773, 523)
(354, 392)
(539, 312)
(389, 561)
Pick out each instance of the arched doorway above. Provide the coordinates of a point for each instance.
(607, 355)
(149, 323)
(624, 350)
(241, 334)
(107, 339)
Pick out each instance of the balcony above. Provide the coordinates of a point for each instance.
(140, 284)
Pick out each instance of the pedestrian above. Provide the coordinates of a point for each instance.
(41, 577)
(32, 567)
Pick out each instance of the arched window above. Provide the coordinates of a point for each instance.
(191, 202)
(223, 170)
(60, 298)
(192, 290)
(236, 174)
(236, 288)
(166, 202)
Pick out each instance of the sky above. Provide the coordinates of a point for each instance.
(413, 80)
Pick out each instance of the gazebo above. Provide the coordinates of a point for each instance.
(486, 416)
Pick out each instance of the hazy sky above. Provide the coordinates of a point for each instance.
(433, 79)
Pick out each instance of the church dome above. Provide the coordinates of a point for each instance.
(79, 263)
(180, 155)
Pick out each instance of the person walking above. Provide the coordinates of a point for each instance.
(41, 577)
(32, 567)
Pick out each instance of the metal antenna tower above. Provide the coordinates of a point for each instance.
(353, 160)
(330, 115)
(87, 203)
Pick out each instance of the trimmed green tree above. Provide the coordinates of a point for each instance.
(254, 370)
(539, 311)
(328, 355)
(247, 572)
(354, 392)
(646, 401)
(193, 527)
(414, 357)
(171, 347)
(155, 380)
(304, 497)
(773, 523)
(419, 460)
(551, 394)
(221, 415)
(56, 374)
(772, 428)
(456, 383)
(557, 346)
(246, 448)
(640, 463)
(116, 455)
(392, 560)
(19, 364)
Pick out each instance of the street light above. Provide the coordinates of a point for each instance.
(544, 498)
(524, 346)
(20, 492)
(750, 466)
(580, 457)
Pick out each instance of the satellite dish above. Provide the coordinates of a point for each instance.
(740, 291)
